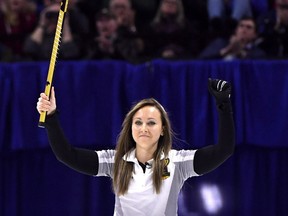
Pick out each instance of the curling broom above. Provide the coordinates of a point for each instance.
(56, 44)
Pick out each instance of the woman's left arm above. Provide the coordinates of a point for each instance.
(210, 157)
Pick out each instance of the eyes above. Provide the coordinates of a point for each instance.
(140, 123)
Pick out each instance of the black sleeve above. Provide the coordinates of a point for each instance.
(82, 160)
(210, 157)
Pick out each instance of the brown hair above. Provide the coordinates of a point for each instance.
(123, 169)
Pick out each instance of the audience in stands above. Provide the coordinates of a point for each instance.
(79, 24)
(124, 13)
(273, 28)
(243, 44)
(112, 41)
(224, 15)
(38, 46)
(172, 29)
(17, 20)
(129, 44)
(102, 45)
(170, 34)
(145, 9)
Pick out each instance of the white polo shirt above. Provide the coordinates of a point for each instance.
(140, 198)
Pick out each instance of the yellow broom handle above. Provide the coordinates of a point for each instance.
(56, 43)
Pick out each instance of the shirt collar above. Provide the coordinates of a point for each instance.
(131, 157)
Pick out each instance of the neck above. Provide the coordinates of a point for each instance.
(144, 155)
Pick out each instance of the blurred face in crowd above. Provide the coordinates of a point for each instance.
(106, 26)
(15, 5)
(282, 11)
(169, 7)
(119, 7)
(51, 17)
(246, 30)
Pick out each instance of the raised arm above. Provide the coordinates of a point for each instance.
(81, 160)
(210, 157)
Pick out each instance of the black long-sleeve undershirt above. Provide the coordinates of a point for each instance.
(82, 160)
(86, 161)
(210, 157)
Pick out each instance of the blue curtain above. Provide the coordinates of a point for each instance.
(93, 98)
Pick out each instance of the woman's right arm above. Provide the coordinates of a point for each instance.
(82, 160)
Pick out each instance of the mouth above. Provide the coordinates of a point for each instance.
(143, 136)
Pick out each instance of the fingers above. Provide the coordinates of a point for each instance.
(218, 85)
(220, 89)
(46, 105)
(52, 96)
(43, 104)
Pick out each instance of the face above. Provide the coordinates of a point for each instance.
(282, 11)
(246, 30)
(119, 7)
(147, 128)
(51, 17)
(169, 7)
(106, 26)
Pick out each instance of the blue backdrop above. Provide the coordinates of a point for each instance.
(94, 96)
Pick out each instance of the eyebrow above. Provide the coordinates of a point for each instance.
(147, 119)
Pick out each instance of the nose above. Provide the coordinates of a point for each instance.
(144, 128)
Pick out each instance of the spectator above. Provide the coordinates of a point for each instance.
(129, 42)
(124, 13)
(273, 28)
(79, 24)
(243, 44)
(225, 14)
(102, 46)
(170, 34)
(112, 41)
(145, 10)
(90, 8)
(39, 44)
(17, 20)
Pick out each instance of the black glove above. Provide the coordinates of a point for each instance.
(221, 90)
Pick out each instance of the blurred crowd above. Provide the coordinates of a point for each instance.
(138, 31)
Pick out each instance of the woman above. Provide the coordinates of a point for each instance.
(147, 174)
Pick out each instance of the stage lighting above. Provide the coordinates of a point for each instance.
(211, 197)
